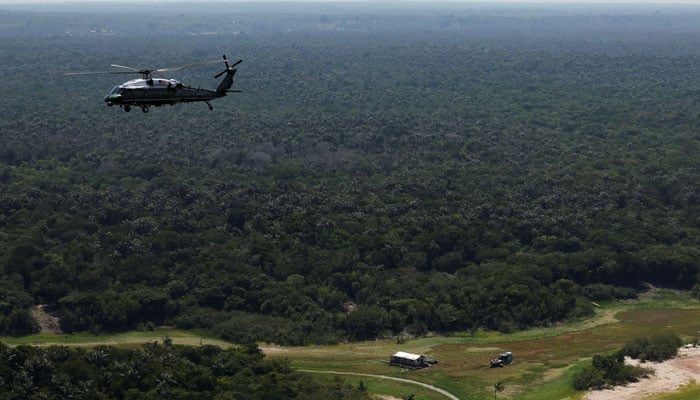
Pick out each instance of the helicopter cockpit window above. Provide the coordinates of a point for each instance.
(116, 90)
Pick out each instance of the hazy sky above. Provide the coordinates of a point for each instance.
(425, 1)
(535, 2)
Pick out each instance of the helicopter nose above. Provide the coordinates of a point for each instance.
(113, 98)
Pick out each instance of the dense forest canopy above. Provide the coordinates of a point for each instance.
(429, 169)
(158, 371)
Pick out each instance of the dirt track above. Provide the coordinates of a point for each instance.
(425, 385)
(668, 376)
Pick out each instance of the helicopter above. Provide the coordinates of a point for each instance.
(149, 91)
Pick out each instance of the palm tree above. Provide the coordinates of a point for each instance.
(498, 387)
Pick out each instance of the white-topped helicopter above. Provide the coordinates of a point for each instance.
(149, 91)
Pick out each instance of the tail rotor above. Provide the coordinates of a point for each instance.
(229, 68)
(230, 71)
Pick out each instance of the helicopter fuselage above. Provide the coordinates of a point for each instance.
(149, 91)
(157, 92)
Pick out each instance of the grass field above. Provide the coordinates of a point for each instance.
(127, 339)
(689, 392)
(545, 358)
(386, 387)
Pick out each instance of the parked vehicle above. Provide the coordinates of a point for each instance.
(502, 360)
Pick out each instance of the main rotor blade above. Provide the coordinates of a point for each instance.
(123, 66)
(187, 66)
(99, 72)
(133, 70)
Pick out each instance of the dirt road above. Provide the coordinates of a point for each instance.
(425, 385)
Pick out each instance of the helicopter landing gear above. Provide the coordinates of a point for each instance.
(127, 108)
(145, 109)
(210, 107)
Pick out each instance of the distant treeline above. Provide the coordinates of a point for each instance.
(362, 185)
(483, 20)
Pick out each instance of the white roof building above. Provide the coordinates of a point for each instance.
(407, 356)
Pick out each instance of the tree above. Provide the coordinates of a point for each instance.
(407, 192)
(605, 370)
(20, 322)
(498, 387)
(654, 348)
(367, 322)
(696, 291)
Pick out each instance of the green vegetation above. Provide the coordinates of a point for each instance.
(546, 359)
(696, 291)
(385, 387)
(607, 371)
(432, 183)
(157, 371)
(688, 392)
(610, 370)
(655, 348)
(464, 170)
(559, 387)
(126, 339)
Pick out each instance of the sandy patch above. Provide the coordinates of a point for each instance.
(47, 323)
(384, 397)
(272, 349)
(668, 376)
(481, 349)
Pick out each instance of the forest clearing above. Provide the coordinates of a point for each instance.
(545, 357)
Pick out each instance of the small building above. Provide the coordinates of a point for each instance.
(409, 360)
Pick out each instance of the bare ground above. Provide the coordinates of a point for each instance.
(47, 322)
(668, 376)
(272, 349)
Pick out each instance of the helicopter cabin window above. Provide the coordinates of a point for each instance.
(173, 85)
(115, 90)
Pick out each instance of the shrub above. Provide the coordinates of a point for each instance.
(607, 370)
(601, 292)
(655, 348)
(589, 378)
(695, 292)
